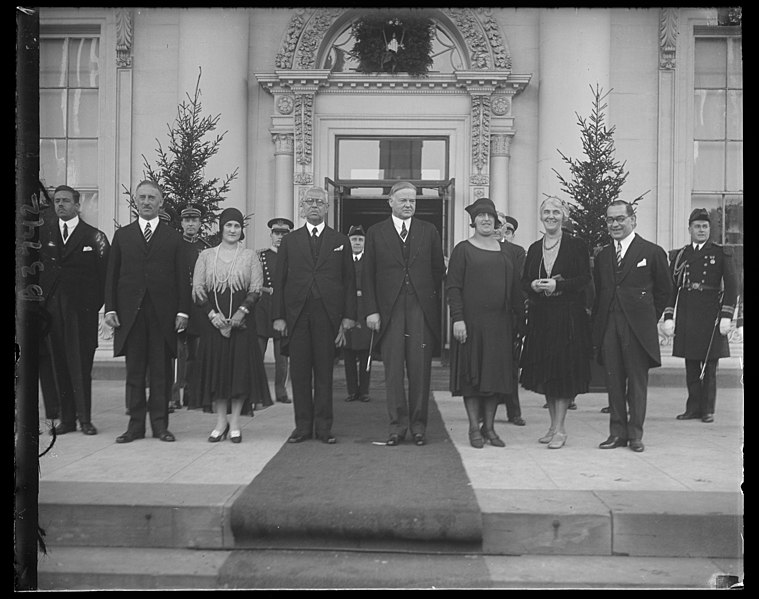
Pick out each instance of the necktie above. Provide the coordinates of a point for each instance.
(619, 254)
(148, 232)
(404, 231)
(314, 241)
(65, 231)
(355, 258)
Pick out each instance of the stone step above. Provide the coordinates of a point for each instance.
(515, 522)
(101, 568)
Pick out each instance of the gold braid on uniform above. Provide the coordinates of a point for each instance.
(679, 268)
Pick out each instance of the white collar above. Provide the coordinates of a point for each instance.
(357, 257)
(698, 246)
(71, 224)
(398, 223)
(625, 243)
(319, 228)
(153, 223)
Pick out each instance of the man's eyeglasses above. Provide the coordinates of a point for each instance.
(314, 201)
(610, 220)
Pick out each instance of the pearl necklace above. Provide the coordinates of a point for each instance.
(217, 280)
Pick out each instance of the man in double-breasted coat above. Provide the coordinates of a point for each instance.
(700, 312)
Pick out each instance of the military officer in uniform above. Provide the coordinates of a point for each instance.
(358, 339)
(268, 256)
(700, 312)
(187, 341)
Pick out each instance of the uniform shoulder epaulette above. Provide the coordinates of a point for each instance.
(673, 254)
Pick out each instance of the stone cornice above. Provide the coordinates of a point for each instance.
(472, 82)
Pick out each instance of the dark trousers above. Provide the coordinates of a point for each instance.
(702, 395)
(187, 351)
(407, 351)
(147, 355)
(65, 368)
(356, 376)
(280, 366)
(626, 365)
(312, 354)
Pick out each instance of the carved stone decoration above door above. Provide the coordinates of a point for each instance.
(481, 68)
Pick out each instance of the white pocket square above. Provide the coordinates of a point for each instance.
(340, 249)
(86, 248)
(641, 263)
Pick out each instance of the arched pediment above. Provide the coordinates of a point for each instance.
(475, 32)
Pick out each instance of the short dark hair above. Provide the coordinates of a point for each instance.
(628, 205)
(151, 183)
(71, 190)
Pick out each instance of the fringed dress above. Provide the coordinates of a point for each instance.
(229, 364)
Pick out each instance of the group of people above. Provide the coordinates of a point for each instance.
(631, 284)
(193, 321)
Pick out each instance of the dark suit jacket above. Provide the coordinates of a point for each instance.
(642, 290)
(384, 270)
(74, 274)
(332, 273)
(159, 268)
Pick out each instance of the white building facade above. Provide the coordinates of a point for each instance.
(502, 99)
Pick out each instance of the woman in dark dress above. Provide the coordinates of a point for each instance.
(484, 294)
(230, 373)
(558, 347)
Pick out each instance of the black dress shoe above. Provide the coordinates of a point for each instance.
(167, 436)
(284, 399)
(364, 398)
(88, 429)
(636, 445)
(352, 397)
(518, 420)
(63, 428)
(128, 437)
(688, 416)
(572, 406)
(605, 410)
(298, 438)
(393, 440)
(613, 442)
(708, 418)
(328, 439)
(419, 439)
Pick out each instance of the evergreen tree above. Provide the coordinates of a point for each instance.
(180, 168)
(596, 181)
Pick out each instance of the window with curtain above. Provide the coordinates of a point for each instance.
(69, 116)
(718, 135)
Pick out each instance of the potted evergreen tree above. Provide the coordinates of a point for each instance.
(594, 182)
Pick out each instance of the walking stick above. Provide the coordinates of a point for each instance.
(711, 339)
(371, 347)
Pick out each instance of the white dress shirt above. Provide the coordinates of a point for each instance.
(398, 222)
(70, 225)
(625, 243)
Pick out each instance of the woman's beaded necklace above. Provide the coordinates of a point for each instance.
(549, 256)
(217, 281)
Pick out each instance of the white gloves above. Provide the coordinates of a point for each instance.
(724, 326)
(668, 328)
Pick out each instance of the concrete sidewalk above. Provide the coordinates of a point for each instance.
(686, 468)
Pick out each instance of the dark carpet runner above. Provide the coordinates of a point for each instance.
(359, 492)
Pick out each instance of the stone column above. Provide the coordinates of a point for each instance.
(574, 56)
(500, 156)
(216, 41)
(283, 175)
